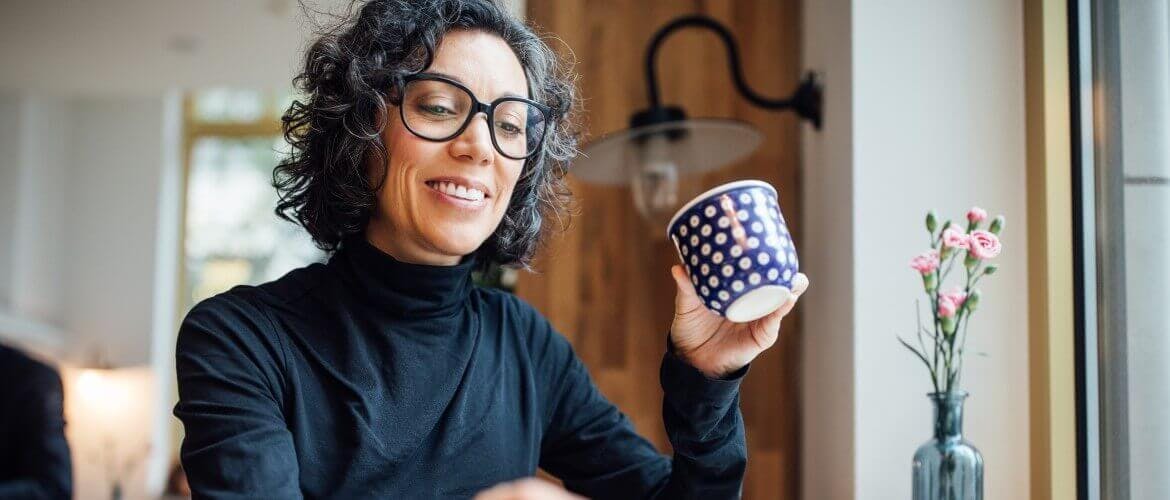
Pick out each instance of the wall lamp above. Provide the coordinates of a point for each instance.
(663, 146)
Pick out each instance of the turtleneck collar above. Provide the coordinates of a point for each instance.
(401, 288)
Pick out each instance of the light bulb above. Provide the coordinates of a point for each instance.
(655, 181)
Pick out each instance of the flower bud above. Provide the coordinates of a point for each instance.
(948, 325)
(931, 221)
(928, 281)
(972, 301)
(996, 225)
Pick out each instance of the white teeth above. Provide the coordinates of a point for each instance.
(457, 191)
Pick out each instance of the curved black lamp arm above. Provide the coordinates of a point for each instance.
(806, 100)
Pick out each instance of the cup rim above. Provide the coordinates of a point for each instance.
(708, 193)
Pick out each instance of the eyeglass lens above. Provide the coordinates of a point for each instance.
(436, 110)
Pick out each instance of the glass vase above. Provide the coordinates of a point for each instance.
(948, 467)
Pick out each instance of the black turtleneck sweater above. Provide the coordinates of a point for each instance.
(371, 377)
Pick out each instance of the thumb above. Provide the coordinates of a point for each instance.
(687, 298)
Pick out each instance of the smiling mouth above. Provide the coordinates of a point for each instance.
(457, 191)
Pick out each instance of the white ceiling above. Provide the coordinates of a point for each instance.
(147, 46)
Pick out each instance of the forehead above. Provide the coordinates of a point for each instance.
(481, 61)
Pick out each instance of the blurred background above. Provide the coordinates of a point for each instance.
(137, 140)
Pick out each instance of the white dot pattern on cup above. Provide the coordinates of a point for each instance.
(734, 243)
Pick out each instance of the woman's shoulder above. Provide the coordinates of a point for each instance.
(240, 318)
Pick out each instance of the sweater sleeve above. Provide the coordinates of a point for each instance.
(237, 444)
(591, 446)
(44, 464)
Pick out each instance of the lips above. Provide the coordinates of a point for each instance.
(459, 191)
(466, 183)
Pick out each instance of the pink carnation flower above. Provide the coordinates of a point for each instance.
(976, 214)
(955, 238)
(925, 263)
(955, 296)
(946, 307)
(984, 244)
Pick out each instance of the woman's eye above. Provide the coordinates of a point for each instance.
(436, 110)
(508, 128)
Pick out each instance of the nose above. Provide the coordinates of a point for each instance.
(475, 143)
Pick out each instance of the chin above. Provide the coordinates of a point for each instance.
(457, 245)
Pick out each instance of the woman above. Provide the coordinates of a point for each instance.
(434, 140)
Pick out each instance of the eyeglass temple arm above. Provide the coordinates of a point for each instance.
(806, 100)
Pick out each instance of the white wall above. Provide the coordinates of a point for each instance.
(933, 118)
(91, 250)
(113, 191)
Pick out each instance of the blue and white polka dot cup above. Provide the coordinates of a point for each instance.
(736, 248)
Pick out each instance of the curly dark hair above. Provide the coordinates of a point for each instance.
(355, 68)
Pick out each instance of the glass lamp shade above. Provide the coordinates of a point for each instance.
(660, 162)
(693, 145)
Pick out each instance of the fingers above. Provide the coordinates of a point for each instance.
(529, 488)
(799, 286)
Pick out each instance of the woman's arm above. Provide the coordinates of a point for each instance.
(593, 447)
(237, 444)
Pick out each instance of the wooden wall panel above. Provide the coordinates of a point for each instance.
(605, 283)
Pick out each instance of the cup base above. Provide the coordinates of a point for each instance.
(757, 303)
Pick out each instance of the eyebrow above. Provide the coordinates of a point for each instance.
(457, 79)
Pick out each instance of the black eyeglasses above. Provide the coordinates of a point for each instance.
(438, 109)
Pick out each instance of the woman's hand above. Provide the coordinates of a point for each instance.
(526, 489)
(711, 343)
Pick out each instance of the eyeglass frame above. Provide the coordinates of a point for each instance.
(477, 107)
